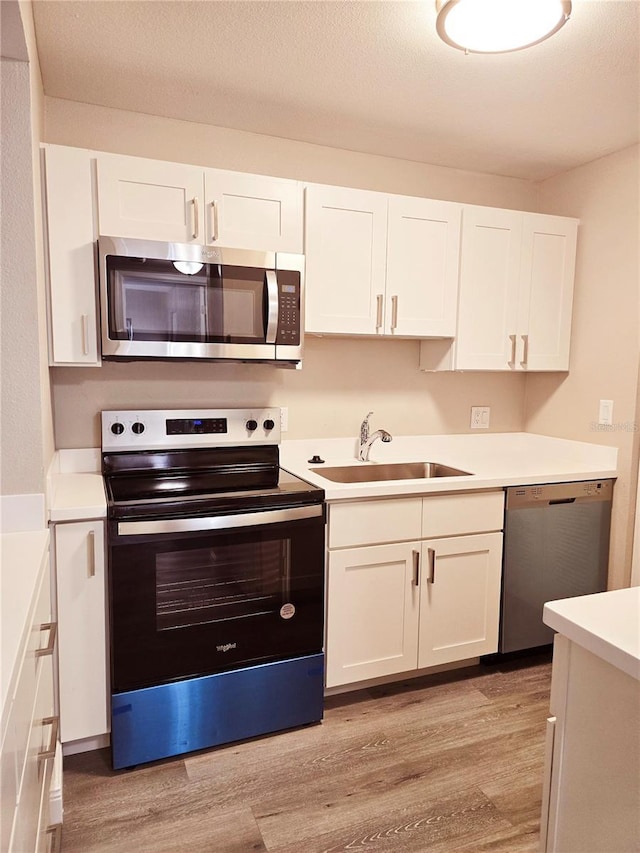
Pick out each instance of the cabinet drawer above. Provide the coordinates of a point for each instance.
(457, 515)
(373, 522)
(25, 827)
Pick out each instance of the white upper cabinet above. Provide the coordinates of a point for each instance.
(172, 202)
(422, 267)
(71, 226)
(253, 212)
(345, 248)
(516, 291)
(379, 264)
(489, 273)
(150, 199)
(546, 291)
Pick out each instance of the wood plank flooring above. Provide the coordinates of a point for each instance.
(448, 762)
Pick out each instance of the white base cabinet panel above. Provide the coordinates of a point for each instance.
(591, 794)
(82, 641)
(459, 598)
(393, 607)
(372, 616)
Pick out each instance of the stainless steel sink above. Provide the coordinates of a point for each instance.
(365, 473)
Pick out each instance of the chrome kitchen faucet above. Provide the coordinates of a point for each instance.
(366, 439)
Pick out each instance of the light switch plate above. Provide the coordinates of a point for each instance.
(605, 413)
(480, 417)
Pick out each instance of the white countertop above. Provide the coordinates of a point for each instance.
(77, 496)
(24, 557)
(495, 460)
(606, 624)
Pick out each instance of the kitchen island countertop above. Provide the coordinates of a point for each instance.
(607, 624)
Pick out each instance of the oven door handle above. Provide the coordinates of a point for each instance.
(218, 522)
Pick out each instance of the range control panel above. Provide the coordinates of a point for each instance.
(146, 429)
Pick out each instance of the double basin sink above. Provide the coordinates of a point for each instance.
(364, 473)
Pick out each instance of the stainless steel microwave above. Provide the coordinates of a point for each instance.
(185, 301)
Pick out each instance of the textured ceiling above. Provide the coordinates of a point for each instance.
(366, 76)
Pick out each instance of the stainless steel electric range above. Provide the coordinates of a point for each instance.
(216, 582)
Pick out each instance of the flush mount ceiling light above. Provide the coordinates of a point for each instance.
(499, 26)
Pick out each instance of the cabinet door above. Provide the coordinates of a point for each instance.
(546, 291)
(82, 637)
(423, 248)
(489, 280)
(253, 212)
(71, 222)
(372, 612)
(459, 598)
(345, 248)
(150, 199)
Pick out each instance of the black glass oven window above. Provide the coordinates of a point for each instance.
(221, 582)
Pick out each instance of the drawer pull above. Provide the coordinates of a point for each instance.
(394, 313)
(55, 834)
(52, 628)
(512, 360)
(214, 221)
(432, 565)
(378, 311)
(54, 722)
(196, 223)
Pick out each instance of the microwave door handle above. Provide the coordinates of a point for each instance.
(272, 306)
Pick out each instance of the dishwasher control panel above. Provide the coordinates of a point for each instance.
(558, 493)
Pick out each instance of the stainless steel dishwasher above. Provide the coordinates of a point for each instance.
(556, 545)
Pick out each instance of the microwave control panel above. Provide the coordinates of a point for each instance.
(288, 308)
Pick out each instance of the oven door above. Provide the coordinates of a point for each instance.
(191, 597)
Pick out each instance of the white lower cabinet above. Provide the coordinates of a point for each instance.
(372, 615)
(82, 645)
(29, 730)
(395, 607)
(459, 598)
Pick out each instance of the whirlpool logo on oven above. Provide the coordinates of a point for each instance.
(226, 647)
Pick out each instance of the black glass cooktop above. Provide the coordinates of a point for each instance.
(175, 484)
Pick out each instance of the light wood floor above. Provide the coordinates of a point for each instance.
(449, 762)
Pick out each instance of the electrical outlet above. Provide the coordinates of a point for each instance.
(284, 419)
(480, 417)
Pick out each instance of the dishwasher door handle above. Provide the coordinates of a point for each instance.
(562, 501)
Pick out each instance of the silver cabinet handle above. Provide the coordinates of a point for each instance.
(379, 311)
(55, 834)
(91, 554)
(214, 221)
(50, 752)
(196, 218)
(52, 628)
(525, 350)
(85, 333)
(416, 567)
(512, 338)
(394, 312)
(432, 565)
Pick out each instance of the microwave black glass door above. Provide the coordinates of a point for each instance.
(185, 301)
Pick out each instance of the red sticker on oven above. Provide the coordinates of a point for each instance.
(287, 611)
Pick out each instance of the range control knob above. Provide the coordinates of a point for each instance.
(268, 424)
(251, 425)
(117, 429)
(138, 428)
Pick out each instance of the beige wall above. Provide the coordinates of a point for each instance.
(605, 348)
(27, 430)
(341, 379)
